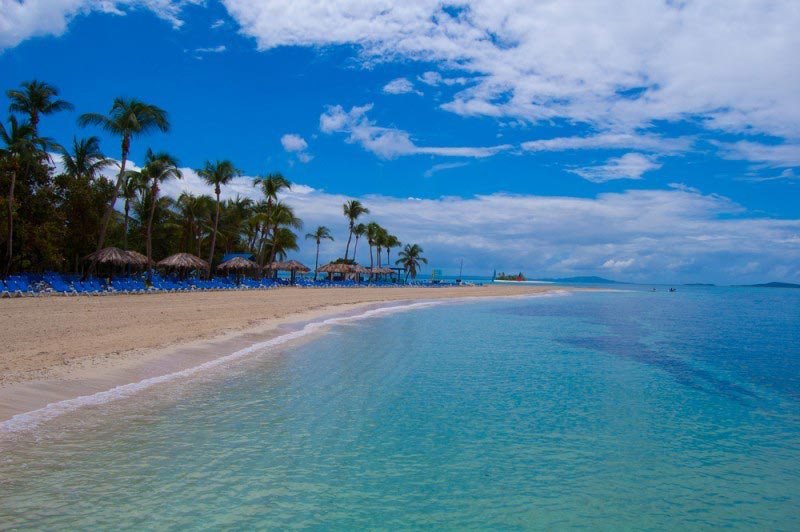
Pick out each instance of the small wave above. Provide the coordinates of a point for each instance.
(29, 420)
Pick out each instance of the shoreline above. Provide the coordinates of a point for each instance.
(49, 354)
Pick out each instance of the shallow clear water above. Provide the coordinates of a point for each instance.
(596, 410)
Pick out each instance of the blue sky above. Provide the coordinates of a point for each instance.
(656, 142)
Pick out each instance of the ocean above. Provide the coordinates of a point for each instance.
(602, 410)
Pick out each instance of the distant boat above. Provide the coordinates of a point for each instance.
(673, 289)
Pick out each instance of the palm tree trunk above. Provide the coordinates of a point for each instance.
(355, 249)
(347, 248)
(10, 244)
(125, 226)
(213, 240)
(153, 196)
(316, 262)
(101, 239)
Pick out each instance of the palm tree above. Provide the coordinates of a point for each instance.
(318, 235)
(352, 210)
(390, 242)
(35, 99)
(21, 147)
(359, 231)
(410, 259)
(217, 174)
(282, 241)
(271, 185)
(127, 119)
(380, 242)
(132, 186)
(281, 216)
(373, 233)
(158, 168)
(86, 160)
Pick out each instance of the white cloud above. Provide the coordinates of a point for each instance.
(772, 155)
(434, 79)
(616, 66)
(217, 24)
(34, 18)
(212, 50)
(400, 86)
(618, 265)
(389, 143)
(294, 143)
(629, 141)
(443, 166)
(629, 166)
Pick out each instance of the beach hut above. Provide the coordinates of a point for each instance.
(183, 262)
(139, 259)
(238, 265)
(113, 256)
(295, 267)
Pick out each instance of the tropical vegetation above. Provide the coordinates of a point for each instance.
(60, 204)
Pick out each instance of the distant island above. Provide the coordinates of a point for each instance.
(502, 276)
(590, 279)
(770, 285)
(699, 284)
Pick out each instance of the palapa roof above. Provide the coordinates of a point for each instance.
(238, 263)
(296, 266)
(184, 260)
(358, 269)
(112, 255)
(380, 270)
(334, 267)
(138, 258)
(291, 266)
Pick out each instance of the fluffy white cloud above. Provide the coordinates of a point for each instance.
(434, 79)
(400, 86)
(389, 143)
(20, 20)
(629, 166)
(610, 64)
(294, 143)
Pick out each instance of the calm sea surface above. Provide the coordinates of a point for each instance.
(606, 410)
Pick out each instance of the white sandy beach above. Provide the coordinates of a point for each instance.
(57, 348)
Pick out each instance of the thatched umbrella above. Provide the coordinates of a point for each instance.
(111, 255)
(295, 266)
(183, 262)
(238, 264)
(139, 259)
(335, 267)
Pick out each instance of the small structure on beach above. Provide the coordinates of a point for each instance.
(238, 265)
(115, 257)
(184, 262)
(293, 267)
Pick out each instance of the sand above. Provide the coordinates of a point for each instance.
(56, 348)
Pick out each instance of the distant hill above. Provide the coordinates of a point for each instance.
(590, 279)
(772, 285)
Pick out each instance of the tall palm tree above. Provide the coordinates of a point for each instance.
(359, 231)
(21, 146)
(321, 233)
(281, 216)
(86, 160)
(127, 119)
(217, 174)
(271, 185)
(380, 242)
(411, 259)
(36, 98)
(158, 168)
(352, 210)
(373, 233)
(390, 242)
(132, 186)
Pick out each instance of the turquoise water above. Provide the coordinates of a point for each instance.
(598, 410)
